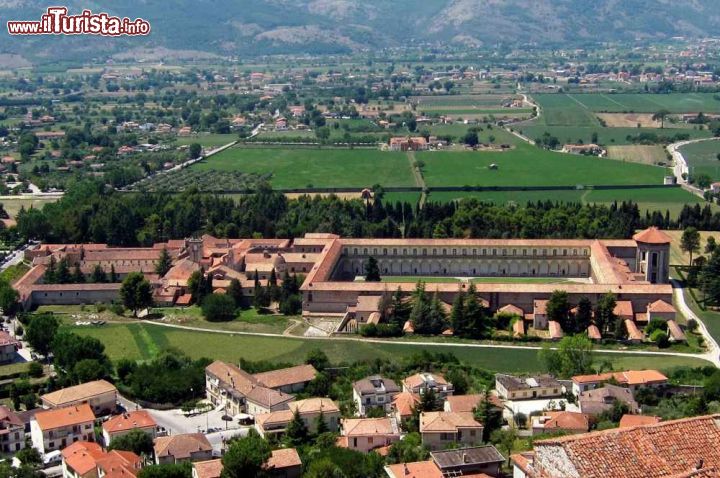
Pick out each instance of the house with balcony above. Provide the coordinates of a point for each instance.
(374, 392)
(55, 429)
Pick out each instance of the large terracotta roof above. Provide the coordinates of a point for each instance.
(667, 449)
(82, 456)
(77, 393)
(208, 469)
(64, 417)
(418, 469)
(283, 458)
(181, 446)
(129, 421)
(436, 422)
(652, 235)
(287, 376)
(368, 426)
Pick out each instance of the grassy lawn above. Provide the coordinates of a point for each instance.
(13, 368)
(702, 157)
(13, 273)
(677, 256)
(142, 341)
(301, 168)
(249, 320)
(13, 205)
(529, 166)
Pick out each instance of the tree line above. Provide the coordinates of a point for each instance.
(91, 212)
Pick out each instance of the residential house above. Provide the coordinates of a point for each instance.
(8, 348)
(241, 392)
(597, 401)
(288, 380)
(440, 429)
(468, 403)
(55, 429)
(207, 469)
(179, 448)
(283, 463)
(510, 387)
(417, 469)
(472, 461)
(403, 405)
(99, 394)
(366, 434)
(632, 379)
(275, 423)
(374, 392)
(628, 421)
(418, 143)
(679, 448)
(12, 431)
(563, 421)
(420, 383)
(123, 424)
(89, 460)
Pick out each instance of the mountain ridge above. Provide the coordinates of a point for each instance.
(252, 27)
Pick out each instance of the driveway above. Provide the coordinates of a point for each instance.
(713, 352)
(176, 423)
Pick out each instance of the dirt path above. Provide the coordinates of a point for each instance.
(417, 174)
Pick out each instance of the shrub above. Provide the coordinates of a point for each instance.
(117, 309)
(661, 339)
(218, 308)
(35, 370)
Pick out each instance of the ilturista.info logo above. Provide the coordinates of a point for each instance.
(56, 21)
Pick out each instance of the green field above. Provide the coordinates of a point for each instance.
(608, 136)
(408, 197)
(632, 102)
(302, 168)
(702, 158)
(530, 166)
(143, 341)
(571, 117)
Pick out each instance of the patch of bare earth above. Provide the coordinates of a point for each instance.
(628, 120)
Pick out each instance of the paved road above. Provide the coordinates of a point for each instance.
(680, 163)
(175, 422)
(429, 344)
(713, 353)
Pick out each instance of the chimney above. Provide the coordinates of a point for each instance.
(699, 464)
(406, 469)
(466, 459)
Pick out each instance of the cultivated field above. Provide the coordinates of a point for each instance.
(574, 117)
(638, 154)
(677, 256)
(702, 157)
(325, 168)
(629, 120)
(529, 166)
